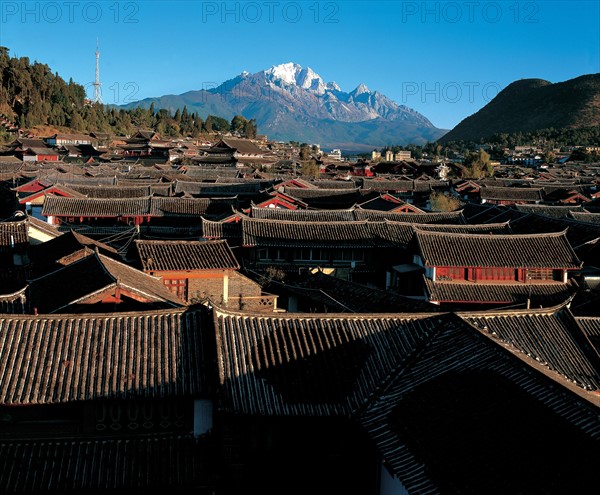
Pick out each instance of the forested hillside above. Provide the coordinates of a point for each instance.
(32, 95)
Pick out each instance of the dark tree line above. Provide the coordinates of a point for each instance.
(31, 95)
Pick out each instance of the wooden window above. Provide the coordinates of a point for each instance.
(540, 274)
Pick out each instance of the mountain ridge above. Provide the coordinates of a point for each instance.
(529, 105)
(290, 102)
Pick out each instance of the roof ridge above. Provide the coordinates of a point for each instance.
(471, 234)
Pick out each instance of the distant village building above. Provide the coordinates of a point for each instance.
(63, 139)
(402, 155)
(375, 155)
(336, 154)
(33, 154)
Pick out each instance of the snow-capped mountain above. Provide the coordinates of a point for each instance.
(290, 102)
(291, 74)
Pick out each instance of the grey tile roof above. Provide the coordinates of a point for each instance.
(49, 359)
(125, 464)
(314, 365)
(513, 251)
(538, 294)
(467, 411)
(185, 255)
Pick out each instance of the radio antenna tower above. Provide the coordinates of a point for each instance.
(97, 84)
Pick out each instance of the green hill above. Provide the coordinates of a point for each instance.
(532, 104)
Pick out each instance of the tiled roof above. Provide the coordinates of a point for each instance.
(63, 245)
(242, 145)
(512, 251)
(401, 233)
(185, 255)
(511, 193)
(40, 225)
(312, 365)
(212, 173)
(590, 326)
(94, 207)
(549, 210)
(310, 193)
(13, 233)
(123, 464)
(303, 215)
(578, 233)
(428, 217)
(552, 337)
(14, 302)
(584, 216)
(169, 207)
(133, 207)
(91, 276)
(341, 296)
(63, 358)
(538, 294)
(257, 232)
(479, 228)
(231, 231)
(10, 167)
(247, 188)
(468, 416)
(333, 184)
(73, 180)
(393, 185)
(113, 191)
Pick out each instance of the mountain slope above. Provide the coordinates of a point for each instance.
(290, 102)
(532, 104)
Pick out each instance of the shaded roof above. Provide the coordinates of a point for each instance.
(410, 217)
(118, 191)
(549, 210)
(538, 294)
(86, 357)
(244, 146)
(63, 245)
(511, 193)
(303, 215)
(513, 251)
(249, 188)
(307, 364)
(552, 337)
(590, 326)
(584, 216)
(467, 415)
(341, 296)
(91, 276)
(126, 464)
(185, 255)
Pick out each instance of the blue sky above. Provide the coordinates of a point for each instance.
(444, 59)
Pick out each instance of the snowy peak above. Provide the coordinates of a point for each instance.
(360, 89)
(292, 74)
(285, 73)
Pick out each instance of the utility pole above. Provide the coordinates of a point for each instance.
(97, 83)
